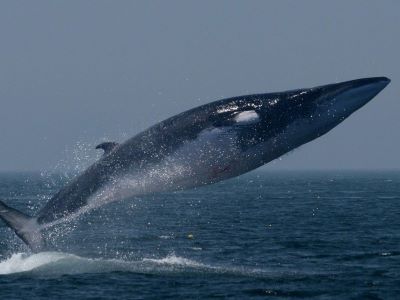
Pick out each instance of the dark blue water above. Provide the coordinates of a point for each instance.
(289, 235)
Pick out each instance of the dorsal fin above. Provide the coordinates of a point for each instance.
(107, 147)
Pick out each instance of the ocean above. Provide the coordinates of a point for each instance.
(267, 234)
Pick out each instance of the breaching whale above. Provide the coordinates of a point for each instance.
(204, 145)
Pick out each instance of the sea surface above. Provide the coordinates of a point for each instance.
(277, 235)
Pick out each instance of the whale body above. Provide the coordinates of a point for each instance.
(201, 146)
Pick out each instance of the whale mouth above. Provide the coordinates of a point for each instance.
(324, 107)
(346, 97)
(338, 101)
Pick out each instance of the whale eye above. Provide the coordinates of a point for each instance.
(247, 117)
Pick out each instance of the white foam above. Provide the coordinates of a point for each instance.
(22, 262)
(54, 264)
(175, 260)
(58, 263)
(166, 237)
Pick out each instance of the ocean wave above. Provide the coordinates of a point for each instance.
(55, 264)
(58, 263)
(50, 264)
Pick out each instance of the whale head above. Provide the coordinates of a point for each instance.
(269, 125)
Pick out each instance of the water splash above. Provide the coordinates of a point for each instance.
(76, 159)
(58, 263)
(22, 262)
(54, 264)
(175, 260)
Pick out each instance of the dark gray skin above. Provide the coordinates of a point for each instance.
(204, 145)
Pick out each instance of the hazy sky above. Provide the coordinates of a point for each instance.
(74, 73)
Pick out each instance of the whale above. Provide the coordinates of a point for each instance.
(201, 146)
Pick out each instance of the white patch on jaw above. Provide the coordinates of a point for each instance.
(247, 117)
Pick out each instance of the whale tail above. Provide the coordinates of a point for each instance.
(24, 226)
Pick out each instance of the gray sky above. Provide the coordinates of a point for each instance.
(74, 73)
